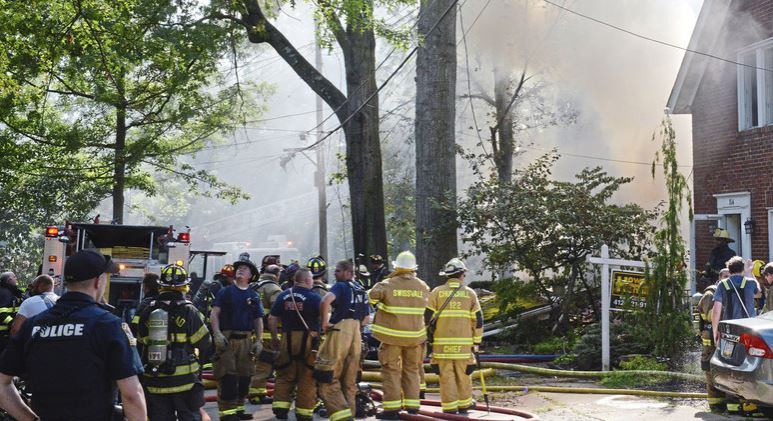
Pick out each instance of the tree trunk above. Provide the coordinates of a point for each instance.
(505, 144)
(435, 139)
(119, 164)
(363, 146)
(363, 149)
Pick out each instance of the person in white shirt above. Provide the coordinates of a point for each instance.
(36, 304)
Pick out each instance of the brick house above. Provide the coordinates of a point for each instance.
(731, 103)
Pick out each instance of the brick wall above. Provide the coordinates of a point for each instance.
(724, 160)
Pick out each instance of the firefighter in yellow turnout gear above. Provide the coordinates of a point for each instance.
(455, 326)
(338, 360)
(268, 288)
(399, 325)
(715, 397)
(169, 330)
(298, 310)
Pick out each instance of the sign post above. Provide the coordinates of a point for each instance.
(605, 261)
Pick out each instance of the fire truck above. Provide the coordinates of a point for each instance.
(136, 250)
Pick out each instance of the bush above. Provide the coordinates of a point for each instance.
(551, 346)
(642, 362)
(588, 347)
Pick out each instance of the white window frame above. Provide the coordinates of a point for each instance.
(770, 235)
(762, 104)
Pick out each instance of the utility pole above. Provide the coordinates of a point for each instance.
(319, 175)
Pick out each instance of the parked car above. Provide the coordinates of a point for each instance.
(742, 365)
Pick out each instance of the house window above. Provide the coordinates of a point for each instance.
(755, 85)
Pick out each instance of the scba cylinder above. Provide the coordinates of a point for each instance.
(158, 332)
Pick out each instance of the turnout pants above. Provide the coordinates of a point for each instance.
(717, 402)
(336, 369)
(263, 370)
(400, 371)
(183, 406)
(294, 376)
(455, 385)
(232, 368)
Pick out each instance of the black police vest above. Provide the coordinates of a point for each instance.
(69, 378)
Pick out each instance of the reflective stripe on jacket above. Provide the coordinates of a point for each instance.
(459, 325)
(187, 331)
(401, 302)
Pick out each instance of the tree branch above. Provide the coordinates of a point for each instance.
(514, 97)
(335, 24)
(481, 96)
(260, 30)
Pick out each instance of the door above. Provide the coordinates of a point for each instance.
(733, 227)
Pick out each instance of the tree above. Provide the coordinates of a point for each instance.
(666, 274)
(547, 228)
(436, 240)
(124, 86)
(32, 199)
(351, 24)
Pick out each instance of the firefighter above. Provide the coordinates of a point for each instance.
(149, 294)
(297, 308)
(268, 288)
(378, 270)
(318, 267)
(10, 300)
(208, 291)
(454, 329)
(399, 325)
(706, 303)
(338, 360)
(363, 277)
(170, 329)
(237, 313)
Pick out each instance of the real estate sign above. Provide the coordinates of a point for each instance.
(629, 290)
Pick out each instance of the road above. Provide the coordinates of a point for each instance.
(575, 407)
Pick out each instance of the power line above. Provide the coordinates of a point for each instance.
(598, 158)
(657, 41)
(383, 84)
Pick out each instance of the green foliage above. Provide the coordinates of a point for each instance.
(622, 379)
(666, 273)
(132, 85)
(546, 229)
(642, 362)
(554, 345)
(359, 16)
(622, 342)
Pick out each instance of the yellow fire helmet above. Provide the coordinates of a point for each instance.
(757, 267)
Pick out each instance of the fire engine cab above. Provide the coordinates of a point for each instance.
(136, 249)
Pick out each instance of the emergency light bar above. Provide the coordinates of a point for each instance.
(52, 232)
(184, 237)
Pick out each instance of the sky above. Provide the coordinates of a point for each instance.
(615, 83)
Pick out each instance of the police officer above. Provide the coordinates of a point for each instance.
(399, 325)
(10, 300)
(74, 354)
(455, 323)
(338, 360)
(170, 328)
(268, 288)
(297, 308)
(236, 314)
(318, 267)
